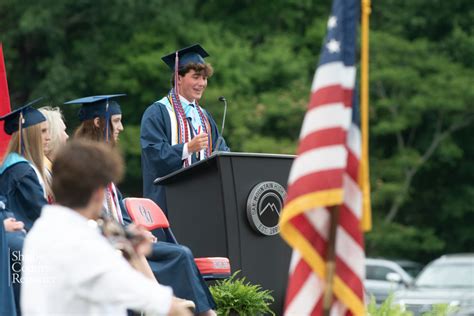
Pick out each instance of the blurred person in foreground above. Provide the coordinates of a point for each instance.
(81, 273)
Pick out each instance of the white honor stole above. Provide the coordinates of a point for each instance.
(174, 129)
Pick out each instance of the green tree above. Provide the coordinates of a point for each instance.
(265, 55)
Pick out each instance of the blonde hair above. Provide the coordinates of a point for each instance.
(32, 145)
(55, 119)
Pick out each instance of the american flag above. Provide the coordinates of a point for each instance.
(324, 174)
(4, 104)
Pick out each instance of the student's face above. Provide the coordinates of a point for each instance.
(63, 134)
(117, 126)
(45, 135)
(192, 85)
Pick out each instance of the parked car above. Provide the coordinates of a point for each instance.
(384, 277)
(447, 280)
(411, 267)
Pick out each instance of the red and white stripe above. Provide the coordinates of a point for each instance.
(328, 158)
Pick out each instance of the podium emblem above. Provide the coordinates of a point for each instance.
(264, 205)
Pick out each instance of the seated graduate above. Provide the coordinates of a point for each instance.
(176, 131)
(58, 137)
(173, 265)
(22, 171)
(22, 178)
(81, 273)
(7, 225)
(15, 230)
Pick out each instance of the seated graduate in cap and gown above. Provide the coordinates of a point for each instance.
(22, 170)
(176, 131)
(58, 137)
(21, 175)
(172, 264)
(7, 302)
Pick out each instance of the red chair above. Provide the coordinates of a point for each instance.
(148, 214)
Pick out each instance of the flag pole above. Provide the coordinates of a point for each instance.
(330, 259)
(364, 180)
(366, 222)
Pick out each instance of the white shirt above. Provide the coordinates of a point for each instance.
(69, 268)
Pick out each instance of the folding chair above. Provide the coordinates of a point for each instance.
(146, 213)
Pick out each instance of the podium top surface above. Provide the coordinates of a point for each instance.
(211, 160)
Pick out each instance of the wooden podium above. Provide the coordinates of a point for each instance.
(228, 205)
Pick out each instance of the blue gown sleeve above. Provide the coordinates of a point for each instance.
(3, 208)
(27, 202)
(7, 304)
(158, 155)
(125, 216)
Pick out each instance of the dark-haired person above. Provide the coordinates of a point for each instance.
(176, 131)
(81, 273)
(101, 119)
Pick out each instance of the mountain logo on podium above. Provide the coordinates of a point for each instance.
(264, 204)
(270, 207)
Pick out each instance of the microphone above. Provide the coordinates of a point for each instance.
(219, 140)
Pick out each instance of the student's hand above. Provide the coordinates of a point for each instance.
(180, 307)
(198, 143)
(150, 236)
(140, 239)
(12, 225)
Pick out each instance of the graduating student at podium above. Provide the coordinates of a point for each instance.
(175, 130)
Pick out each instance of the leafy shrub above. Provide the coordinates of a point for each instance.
(387, 308)
(237, 296)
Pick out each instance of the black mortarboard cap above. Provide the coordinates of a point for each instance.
(31, 116)
(96, 106)
(191, 54)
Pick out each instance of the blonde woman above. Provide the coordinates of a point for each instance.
(22, 170)
(58, 137)
(57, 130)
(22, 177)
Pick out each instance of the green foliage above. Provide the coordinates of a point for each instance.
(394, 240)
(264, 55)
(387, 308)
(237, 296)
(441, 310)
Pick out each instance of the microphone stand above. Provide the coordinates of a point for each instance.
(219, 140)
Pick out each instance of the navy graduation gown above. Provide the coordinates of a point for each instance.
(24, 200)
(159, 157)
(174, 265)
(20, 185)
(7, 303)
